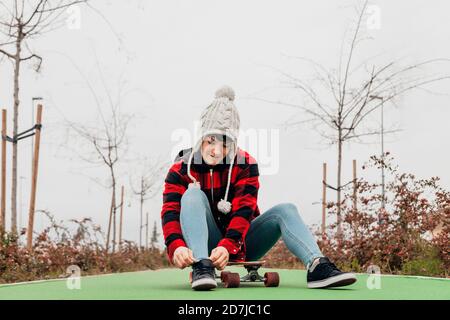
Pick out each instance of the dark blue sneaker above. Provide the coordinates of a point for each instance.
(203, 275)
(324, 274)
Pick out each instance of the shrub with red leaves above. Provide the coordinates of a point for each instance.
(280, 257)
(409, 236)
(55, 249)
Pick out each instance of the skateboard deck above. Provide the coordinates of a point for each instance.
(246, 263)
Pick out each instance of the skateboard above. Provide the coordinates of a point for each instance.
(233, 279)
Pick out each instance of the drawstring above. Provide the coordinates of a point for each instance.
(195, 183)
(224, 206)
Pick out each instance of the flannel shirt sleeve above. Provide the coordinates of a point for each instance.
(174, 187)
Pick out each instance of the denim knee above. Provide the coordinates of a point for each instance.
(193, 196)
(287, 210)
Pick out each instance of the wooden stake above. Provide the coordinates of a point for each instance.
(324, 198)
(3, 195)
(34, 179)
(355, 198)
(121, 219)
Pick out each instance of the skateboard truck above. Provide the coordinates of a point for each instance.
(252, 274)
(233, 279)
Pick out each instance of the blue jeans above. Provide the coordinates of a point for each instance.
(201, 233)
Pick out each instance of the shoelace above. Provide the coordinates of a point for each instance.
(332, 265)
(329, 266)
(202, 269)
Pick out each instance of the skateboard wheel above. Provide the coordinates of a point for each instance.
(271, 279)
(222, 275)
(231, 280)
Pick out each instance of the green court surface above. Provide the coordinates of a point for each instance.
(173, 284)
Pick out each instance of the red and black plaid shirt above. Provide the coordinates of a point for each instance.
(242, 194)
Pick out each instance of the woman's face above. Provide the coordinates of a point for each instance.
(214, 150)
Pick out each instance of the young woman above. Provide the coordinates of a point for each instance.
(210, 214)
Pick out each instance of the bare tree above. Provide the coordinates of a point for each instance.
(155, 235)
(104, 144)
(338, 101)
(108, 142)
(145, 186)
(21, 21)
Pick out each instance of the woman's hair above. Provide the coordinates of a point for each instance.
(220, 137)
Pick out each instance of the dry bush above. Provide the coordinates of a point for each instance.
(56, 248)
(280, 257)
(409, 236)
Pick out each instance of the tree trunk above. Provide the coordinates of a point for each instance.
(339, 174)
(146, 230)
(140, 223)
(15, 131)
(108, 236)
(114, 221)
(114, 209)
(142, 206)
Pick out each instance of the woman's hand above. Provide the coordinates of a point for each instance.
(219, 257)
(183, 257)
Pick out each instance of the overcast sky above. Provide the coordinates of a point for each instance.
(169, 57)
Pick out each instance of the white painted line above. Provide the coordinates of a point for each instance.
(65, 279)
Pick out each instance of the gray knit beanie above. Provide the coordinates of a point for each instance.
(220, 117)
